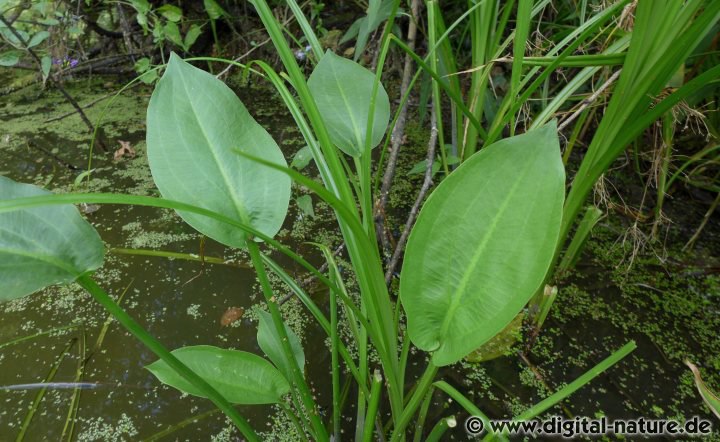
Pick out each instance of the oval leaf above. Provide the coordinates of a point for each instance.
(10, 58)
(38, 38)
(270, 343)
(241, 377)
(42, 246)
(194, 124)
(170, 12)
(482, 244)
(342, 90)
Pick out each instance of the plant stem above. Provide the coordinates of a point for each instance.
(294, 420)
(335, 362)
(40, 394)
(440, 428)
(423, 385)
(398, 130)
(164, 354)
(420, 422)
(427, 182)
(373, 404)
(298, 377)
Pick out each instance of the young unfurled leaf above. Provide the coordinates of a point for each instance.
(342, 90)
(41, 246)
(270, 343)
(195, 125)
(377, 12)
(242, 377)
(711, 398)
(482, 244)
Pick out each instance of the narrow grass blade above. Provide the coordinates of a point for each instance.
(572, 387)
(710, 397)
(373, 404)
(572, 254)
(466, 404)
(441, 428)
(41, 393)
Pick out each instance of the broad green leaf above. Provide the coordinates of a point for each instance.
(42, 246)
(170, 12)
(143, 21)
(270, 343)
(149, 77)
(12, 38)
(195, 124)
(38, 38)
(10, 58)
(342, 91)
(242, 377)
(421, 167)
(711, 398)
(482, 244)
(49, 21)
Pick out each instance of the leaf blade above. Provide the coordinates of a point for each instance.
(241, 377)
(342, 90)
(43, 246)
(195, 122)
(270, 343)
(474, 260)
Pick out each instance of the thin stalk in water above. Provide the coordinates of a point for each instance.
(164, 354)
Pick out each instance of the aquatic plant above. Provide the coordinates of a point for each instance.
(242, 198)
(482, 246)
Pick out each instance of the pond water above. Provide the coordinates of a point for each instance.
(181, 302)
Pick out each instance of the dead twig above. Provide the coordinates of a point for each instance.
(230, 66)
(85, 106)
(590, 100)
(397, 133)
(427, 182)
(705, 220)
